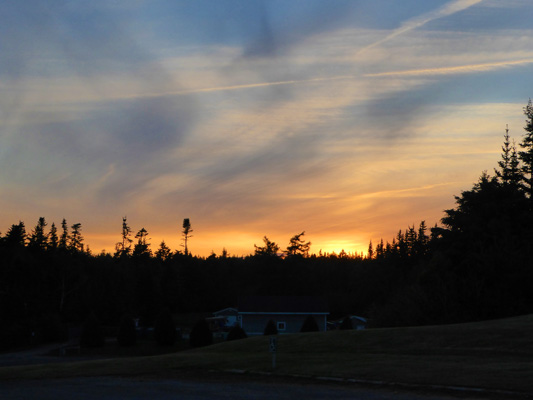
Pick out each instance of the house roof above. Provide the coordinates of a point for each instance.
(283, 304)
(226, 311)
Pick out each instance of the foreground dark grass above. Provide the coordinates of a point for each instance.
(493, 355)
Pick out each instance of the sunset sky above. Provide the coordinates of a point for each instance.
(346, 119)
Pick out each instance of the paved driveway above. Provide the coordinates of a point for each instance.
(112, 388)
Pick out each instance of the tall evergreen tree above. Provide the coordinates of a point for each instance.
(269, 249)
(309, 325)
(123, 248)
(53, 239)
(64, 239)
(76, 239)
(236, 333)
(297, 246)
(370, 253)
(380, 249)
(422, 240)
(163, 253)
(186, 232)
(411, 240)
(38, 238)
(400, 245)
(526, 156)
(270, 328)
(142, 248)
(16, 235)
(509, 166)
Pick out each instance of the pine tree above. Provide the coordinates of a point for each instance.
(142, 248)
(123, 248)
(270, 328)
(309, 325)
(410, 240)
(509, 172)
(38, 238)
(422, 236)
(400, 244)
(526, 156)
(163, 253)
(370, 254)
(421, 247)
(389, 248)
(16, 235)
(53, 239)
(76, 239)
(236, 333)
(64, 239)
(269, 249)
(380, 249)
(186, 232)
(297, 246)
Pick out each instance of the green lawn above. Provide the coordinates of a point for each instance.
(494, 354)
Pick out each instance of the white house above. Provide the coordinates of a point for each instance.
(287, 312)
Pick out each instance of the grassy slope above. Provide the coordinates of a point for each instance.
(493, 354)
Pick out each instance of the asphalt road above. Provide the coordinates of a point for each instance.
(113, 388)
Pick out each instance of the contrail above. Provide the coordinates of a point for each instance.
(444, 11)
(237, 87)
(454, 70)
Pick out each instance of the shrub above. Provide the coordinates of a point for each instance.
(165, 329)
(346, 324)
(236, 333)
(92, 334)
(127, 335)
(270, 328)
(200, 334)
(309, 325)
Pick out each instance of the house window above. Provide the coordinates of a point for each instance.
(281, 326)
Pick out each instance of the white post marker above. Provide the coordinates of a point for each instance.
(272, 348)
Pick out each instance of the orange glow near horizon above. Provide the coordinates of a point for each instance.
(210, 240)
(241, 246)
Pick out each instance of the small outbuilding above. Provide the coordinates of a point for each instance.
(287, 312)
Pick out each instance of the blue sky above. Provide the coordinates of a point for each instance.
(347, 119)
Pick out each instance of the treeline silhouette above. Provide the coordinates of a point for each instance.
(476, 265)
